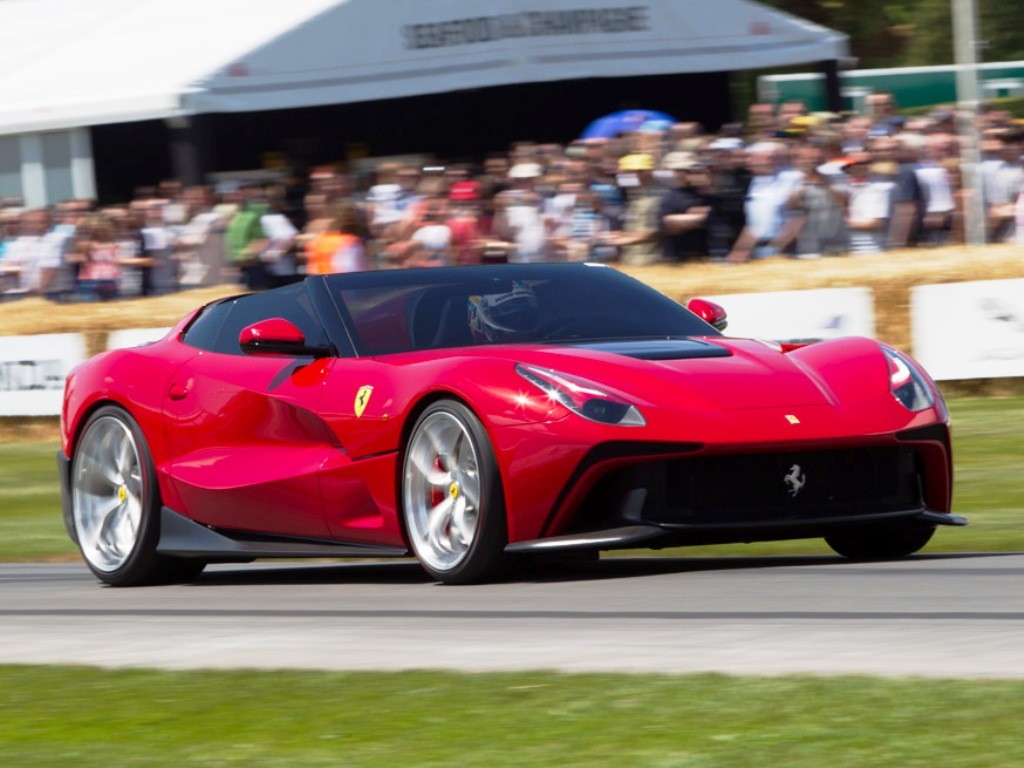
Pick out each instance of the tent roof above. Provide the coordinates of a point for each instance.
(66, 63)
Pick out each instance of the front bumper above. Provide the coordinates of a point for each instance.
(647, 535)
(650, 494)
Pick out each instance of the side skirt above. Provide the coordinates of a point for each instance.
(182, 537)
(612, 538)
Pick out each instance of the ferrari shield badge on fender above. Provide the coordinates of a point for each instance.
(362, 398)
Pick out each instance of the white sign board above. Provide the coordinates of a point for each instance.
(33, 369)
(135, 337)
(816, 315)
(971, 330)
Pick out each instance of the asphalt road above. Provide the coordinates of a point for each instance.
(936, 616)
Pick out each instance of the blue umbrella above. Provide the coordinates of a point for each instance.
(627, 121)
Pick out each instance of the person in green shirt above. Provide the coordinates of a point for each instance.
(244, 238)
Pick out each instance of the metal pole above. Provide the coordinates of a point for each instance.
(833, 87)
(965, 47)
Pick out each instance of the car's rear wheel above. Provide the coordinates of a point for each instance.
(116, 505)
(888, 542)
(452, 501)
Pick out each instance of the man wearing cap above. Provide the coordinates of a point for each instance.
(638, 239)
(464, 222)
(683, 214)
(518, 220)
(730, 180)
(382, 199)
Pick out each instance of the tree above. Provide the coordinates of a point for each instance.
(878, 29)
(1002, 37)
(913, 32)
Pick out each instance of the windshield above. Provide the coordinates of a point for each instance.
(404, 310)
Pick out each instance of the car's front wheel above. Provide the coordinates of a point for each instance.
(116, 505)
(452, 500)
(888, 542)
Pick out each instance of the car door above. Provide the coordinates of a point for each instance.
(246, 442)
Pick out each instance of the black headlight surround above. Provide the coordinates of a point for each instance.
(908, 384)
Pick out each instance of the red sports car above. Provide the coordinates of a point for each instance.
(466, 415)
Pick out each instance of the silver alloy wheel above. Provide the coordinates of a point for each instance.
(441, 491)
(108, 493)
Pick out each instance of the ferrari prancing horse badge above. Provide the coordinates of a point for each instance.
(362, 398)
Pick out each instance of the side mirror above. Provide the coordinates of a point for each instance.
(711, 313)
(276, 336)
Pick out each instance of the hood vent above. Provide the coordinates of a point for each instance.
(659, 349)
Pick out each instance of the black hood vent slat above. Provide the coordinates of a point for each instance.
(658, 349)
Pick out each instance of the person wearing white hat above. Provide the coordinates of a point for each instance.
(726, 144)
(518, 223)
(521, 171)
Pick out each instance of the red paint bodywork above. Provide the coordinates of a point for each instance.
(272, 443)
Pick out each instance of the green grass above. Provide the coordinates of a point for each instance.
(988, 455)
(86, 717)
(988, 435)
(30, 519)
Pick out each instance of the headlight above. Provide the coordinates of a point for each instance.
(582, 397)
(906, 382)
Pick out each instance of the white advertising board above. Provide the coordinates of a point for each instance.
(33, 369)
(827, 313)
(135, 337)
(972, 330)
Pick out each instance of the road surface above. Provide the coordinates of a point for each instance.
(936, 616)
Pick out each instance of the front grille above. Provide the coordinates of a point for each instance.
(780, 487)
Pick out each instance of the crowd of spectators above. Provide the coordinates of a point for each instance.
(786, 183)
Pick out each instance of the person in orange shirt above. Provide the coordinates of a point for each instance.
(342, 247)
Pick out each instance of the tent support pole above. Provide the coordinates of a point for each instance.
(833, 92)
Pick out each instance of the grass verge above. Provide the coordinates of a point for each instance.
(988, 448)
(75, 716)
(30, 518)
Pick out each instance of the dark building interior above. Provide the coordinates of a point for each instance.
(455, 126)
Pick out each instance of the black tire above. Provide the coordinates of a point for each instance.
(449, 461)
(885, 542)
(113, 485)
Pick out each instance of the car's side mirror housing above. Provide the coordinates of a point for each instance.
(276, 336)
(711, 313)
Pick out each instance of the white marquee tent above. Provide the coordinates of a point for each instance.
(69, 64)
